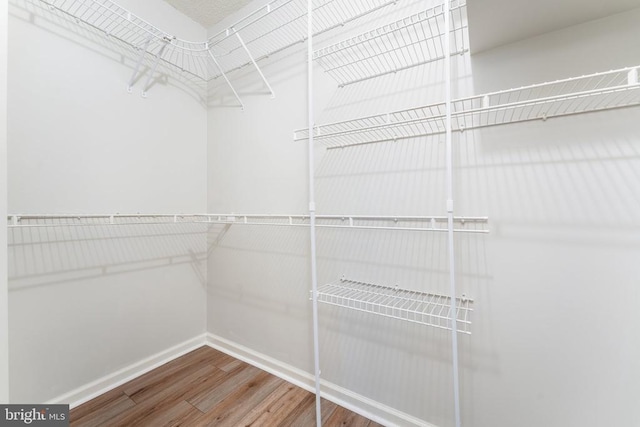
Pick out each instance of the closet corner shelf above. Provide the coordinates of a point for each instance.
(588, 93)
(415, 40)
(120, 24)
(273, 27)
(412, 306)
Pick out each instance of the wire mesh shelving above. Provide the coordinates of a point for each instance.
(589, 93)
(281, 24)
(413, 306)
(415, 40)
(118, 23)
(463, 224)
(272, 28)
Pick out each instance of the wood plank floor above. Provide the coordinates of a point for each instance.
(208, 388)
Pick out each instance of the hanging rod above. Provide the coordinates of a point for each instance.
(466, 224)
(577, 95)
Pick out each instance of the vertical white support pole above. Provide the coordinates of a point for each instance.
(449, 167)
(312, 213)
(4, 291)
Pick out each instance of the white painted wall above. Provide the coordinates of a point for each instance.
(554, 343)
(555, 283)
(4, 317)
(257, 275)
(88, 301)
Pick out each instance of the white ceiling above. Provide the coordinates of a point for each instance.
(496, 22)
(208, 12)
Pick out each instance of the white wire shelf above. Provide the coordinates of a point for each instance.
(463, 224)
(279, 25)
(402, 304)
(69, 220)
(118, 23)
(409, 42)
(398, 223)
(276, 26)
(588, 93)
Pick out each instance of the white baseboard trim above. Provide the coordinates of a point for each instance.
(109, 382)
(364, 406)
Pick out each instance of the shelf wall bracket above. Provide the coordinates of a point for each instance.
(136, 70)
(632, 77)
(226, 79)
(147, 84)
(253, 61)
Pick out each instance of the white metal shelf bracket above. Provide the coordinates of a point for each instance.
(136, 70)
(253, 61)
(147, 84)
(224, 75)
(632, 77)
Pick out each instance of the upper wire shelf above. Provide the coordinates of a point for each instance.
(118, 23)
(279, 25)
(588, 93)
(402, 304)
(463, 224)
(276, 26)
(415, 40)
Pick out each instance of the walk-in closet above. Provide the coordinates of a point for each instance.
(321, 212)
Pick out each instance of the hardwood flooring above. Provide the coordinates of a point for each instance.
(208, 388)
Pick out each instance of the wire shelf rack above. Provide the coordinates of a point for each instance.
(274, 27)
(118, 23)
(463, 224)
(409, 42)
(412, 306)
(281, 24)
(70, 220)
(588, 93)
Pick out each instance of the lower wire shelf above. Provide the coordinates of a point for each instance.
(412, 306)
